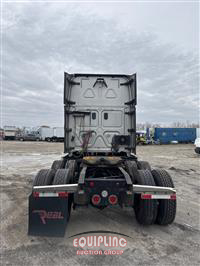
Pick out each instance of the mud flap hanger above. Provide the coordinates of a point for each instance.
(144, 188)
(154, 192)
(71, 188)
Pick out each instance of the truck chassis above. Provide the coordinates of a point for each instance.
(100, 167)
(100, 182)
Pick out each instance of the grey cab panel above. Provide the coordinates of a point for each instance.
(98, 107)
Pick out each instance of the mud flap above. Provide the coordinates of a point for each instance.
(48, 216)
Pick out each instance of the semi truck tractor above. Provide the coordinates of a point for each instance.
(100, 168)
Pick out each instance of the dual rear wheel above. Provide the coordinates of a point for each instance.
(60, 173)
(145, 209)
(166, 207)
(44, 177)
(57, 175)
(58, 164)
(147, 212)
(63, 176)
(161, 211)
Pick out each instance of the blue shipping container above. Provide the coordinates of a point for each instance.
(182, 135)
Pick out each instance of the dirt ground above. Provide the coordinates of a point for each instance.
(176, 244)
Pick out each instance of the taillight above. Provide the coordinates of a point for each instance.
(91, 184)
(63, 194)
(96, 199)
(173, 196)
(146, 196)
(36, 194)
(112, 199)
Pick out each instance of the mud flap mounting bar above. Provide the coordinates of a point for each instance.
(71, 188)
(49, 212)
(153, 189)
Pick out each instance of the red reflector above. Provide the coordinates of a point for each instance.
(112, 199)
(91, 184)
(173, 196)
(146, 196)
(36, 194)
(96, 199)
(63, 194)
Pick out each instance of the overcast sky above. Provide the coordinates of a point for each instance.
(159, 41)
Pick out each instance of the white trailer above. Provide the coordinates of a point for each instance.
(58, 134)
(10, 132)
(45, 133)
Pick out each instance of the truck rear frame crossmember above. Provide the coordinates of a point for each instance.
(160, 192)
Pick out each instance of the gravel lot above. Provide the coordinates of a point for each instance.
(176, 244)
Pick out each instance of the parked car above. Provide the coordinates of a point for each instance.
(28, 137)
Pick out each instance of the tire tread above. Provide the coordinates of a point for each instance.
(144, 165)
(44, 177)
(145, 210)
(57, 164)
(167, 207)
(132, 169)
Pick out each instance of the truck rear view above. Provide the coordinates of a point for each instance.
(100, 167)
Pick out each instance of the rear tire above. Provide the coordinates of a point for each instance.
(132, 169)
(166, 207)
(197, 150)
(57, 164)
(72, 165)
(63, 176)
(145, 209)
(143, 165)
(44, 177)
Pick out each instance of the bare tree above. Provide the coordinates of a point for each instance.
(177, 124)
